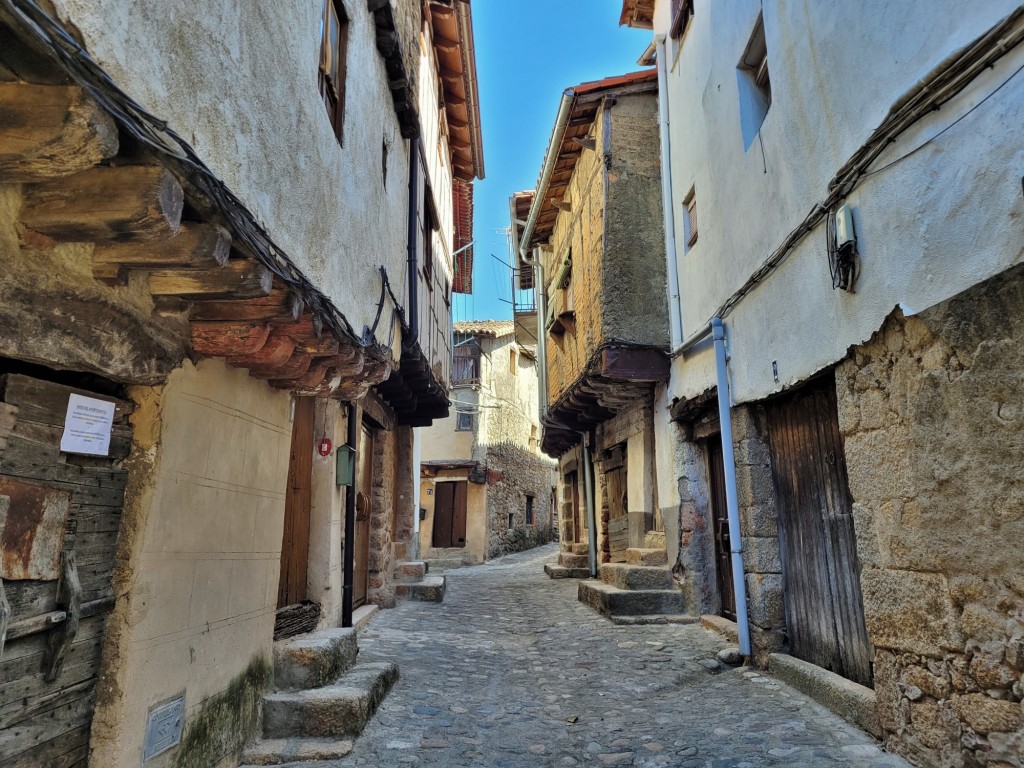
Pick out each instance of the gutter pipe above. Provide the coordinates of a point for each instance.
(411, 236)
(675, 312)
(588, 482)
(731, 501)
(348, 555)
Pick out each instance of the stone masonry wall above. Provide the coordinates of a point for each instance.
(521, 473)
(694, 567)
(380, 583)
(932, 411)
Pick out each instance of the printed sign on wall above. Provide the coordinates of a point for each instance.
(87, 426)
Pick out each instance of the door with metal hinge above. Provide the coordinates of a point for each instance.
(291, 587)
(720, 525)
(60, 516)
(821, 570)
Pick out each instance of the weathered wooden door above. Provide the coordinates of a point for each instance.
(618, 512)
(450, 514)
(60, 514)
(364, 496)
(720, 523)
(824, 609)
(291, 588)
(571, 508)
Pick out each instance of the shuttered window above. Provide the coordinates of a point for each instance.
(333, 57)
(682, 13)
(690, 204)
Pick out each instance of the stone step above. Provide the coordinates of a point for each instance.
(340, 709)
(561, 572)
(580, 549)
(429, 589)
(655, 540)
(295, 750)
(626, 576)
(570, 560)
(656, 618)
(638, 556)
(612, 601)
(315, 659)
(413, 569)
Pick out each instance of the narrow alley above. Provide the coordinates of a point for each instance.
(511, 670)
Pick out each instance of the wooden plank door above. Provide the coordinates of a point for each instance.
(60, 517)
(364, 495)
(291, 588)
(459, 514)
(618, 509)
(821, 571)
(720, 524)
(444, 514)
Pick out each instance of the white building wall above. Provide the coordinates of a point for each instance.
(239, 82)
(835, 71)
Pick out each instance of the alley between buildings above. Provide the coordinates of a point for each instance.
(511, 670)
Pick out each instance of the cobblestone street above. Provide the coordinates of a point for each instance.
(512, 671)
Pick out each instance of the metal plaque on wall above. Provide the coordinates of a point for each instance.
(163, 728)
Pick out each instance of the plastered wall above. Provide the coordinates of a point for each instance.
(199, 554)
(475, 550)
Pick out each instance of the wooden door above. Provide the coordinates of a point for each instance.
(571, 508)
(720, 525)
(291, 588)
(60, 515)
(618, 509)
(450, 515)
(364, 495)
(824, 609)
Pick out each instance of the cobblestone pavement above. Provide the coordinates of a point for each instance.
(512, 672)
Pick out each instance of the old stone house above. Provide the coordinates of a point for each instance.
(592, 237)
(843, 243)
(486, 489)
(228, 244)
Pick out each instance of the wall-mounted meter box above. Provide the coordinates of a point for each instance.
(844, 226)
(345, 465)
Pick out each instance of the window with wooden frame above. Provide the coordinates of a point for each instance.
(429, 225)
(463, 421)
(682, 13)
(690, 221)
(465, 361)
(529, 509)
(333, 59)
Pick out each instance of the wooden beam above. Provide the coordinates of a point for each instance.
(276, 304)
(228, 339)
(240, 278)
(304, 332)
(51, 130)
(141, 201)
(273, 354)
(195, 245)
(296, 367)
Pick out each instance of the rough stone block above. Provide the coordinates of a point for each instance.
(910, 611)
(415, 569)
(933, 685)
(626, 576)
(758, 520)
(281, 751)
(562, 572)
(637, 556)
(761, 555)
(721, 625)
(429, 589)
(609, 600)
(313, 660)
(765, 602)
(754, 484)
(342, 709)
(849, 700)
(573, 561)
(985, 715)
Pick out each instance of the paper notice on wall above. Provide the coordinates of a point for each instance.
(87, 426)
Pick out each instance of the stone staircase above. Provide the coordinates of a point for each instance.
(323, 699)
(414, 583)
(638, 591)
(573, 563)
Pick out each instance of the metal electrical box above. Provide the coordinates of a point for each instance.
(345, 465)
(844, 226)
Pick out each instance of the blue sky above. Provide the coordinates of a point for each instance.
(528, 52)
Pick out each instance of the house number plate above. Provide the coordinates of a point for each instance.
(163, 728)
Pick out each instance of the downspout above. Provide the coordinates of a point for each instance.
(731, 501)
(412, 236)
(588, 492)
(415, 493)
(675, 311)
(348, 556)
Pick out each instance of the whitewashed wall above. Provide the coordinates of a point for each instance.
(942, 220)
(239, 82)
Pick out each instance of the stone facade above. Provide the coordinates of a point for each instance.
(931, 409)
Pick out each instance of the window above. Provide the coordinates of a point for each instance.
(690, 222)
(333, 55)
(466, 360)
(428, 246)
(682, 13)
(755, 85)
(463, 421)
(513, 361)
(529, 509)
(511, 520)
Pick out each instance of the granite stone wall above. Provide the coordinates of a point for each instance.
(932, 412)
(514, 473)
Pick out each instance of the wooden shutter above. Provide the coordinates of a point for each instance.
(443, 513)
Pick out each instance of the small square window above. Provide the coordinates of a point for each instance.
(690, 222)
(463, 421)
